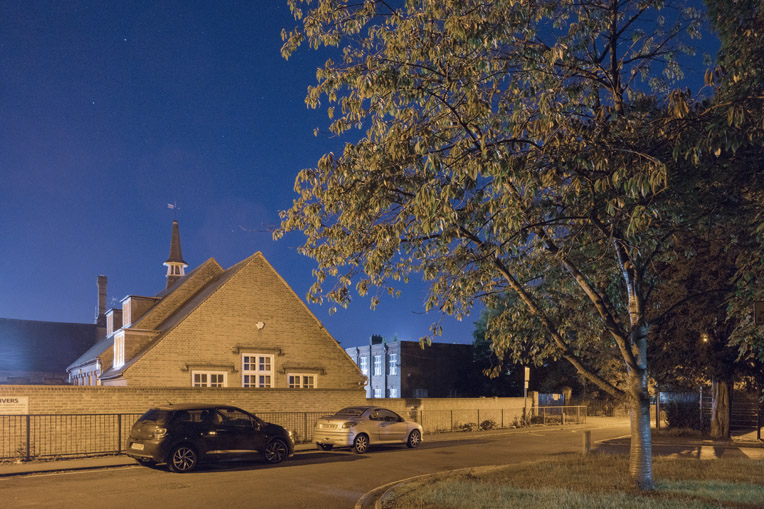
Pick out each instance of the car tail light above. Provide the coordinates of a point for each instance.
(348, 424)
(160, 432)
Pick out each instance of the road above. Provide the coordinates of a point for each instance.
(315, 479)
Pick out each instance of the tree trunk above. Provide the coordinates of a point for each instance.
(720, 408)
(640, 452)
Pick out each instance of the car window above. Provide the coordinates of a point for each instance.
(181, 416)
(352, 411)
(236, 418)
(388, 415)
(155, 415)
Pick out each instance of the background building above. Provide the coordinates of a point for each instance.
(403, 369)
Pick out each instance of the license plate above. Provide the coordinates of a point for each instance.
(137, 447)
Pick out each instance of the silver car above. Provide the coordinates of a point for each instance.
(361, 426)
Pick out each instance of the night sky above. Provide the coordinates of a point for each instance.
(111, 110)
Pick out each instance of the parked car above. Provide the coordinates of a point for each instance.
(185, 435)
(361, 426)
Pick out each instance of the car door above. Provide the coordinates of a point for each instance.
(241, 432)
(392, 427)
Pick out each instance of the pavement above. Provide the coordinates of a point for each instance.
(752, 448)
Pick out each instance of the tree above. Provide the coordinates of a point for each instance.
(522, 147)
(733, 128)
(690, 340)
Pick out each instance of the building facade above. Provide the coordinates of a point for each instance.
(213, 327)
(404, 369)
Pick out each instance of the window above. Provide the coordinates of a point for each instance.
(393, 364)
(208, 378)
(377, 393)
(365, 365)
(393, 392)
(119, 351)
(377, 365)
(257, 370)
(301, 381)
(420, 393)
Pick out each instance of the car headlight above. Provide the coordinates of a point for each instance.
(160, 432)
(348, 424)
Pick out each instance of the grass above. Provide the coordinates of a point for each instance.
(596, 481)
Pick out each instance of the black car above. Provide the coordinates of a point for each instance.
(184, 435)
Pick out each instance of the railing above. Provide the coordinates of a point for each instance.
(44, 436)
(434, 421)
(26, 437)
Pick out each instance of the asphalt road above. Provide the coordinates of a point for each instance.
(313, 479)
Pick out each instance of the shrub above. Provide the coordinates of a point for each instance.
(487, 424)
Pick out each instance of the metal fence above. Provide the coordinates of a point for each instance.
(44, 436)
(26, 437)
(434, 421)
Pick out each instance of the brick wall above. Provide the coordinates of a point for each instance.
(105, 400)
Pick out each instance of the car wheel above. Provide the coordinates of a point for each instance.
(361, 444)
(276, 451)
(183, 458)
(326, 447)
(415, 438)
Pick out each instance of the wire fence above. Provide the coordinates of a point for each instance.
(27, 437)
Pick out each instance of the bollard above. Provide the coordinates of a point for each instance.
(587, 442)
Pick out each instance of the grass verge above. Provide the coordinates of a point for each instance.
(596, 481)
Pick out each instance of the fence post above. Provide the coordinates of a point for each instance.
(29, 442)
(587, 445)
(701, 410)
(305, 419)
(452, 420)
(119, 433)
(478, 423)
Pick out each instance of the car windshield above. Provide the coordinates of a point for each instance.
(156, 415)
(352, 411)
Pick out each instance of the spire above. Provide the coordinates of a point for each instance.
(176, 267)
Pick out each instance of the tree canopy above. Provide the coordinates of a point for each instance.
(540, 149)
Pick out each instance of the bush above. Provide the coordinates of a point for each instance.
(487, 424)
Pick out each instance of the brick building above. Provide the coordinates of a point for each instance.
(403, 369)
(213, 327)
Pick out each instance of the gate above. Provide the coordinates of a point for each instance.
(746, 414)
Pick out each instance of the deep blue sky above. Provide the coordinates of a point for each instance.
(111, 110)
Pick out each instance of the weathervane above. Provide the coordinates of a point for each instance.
(174, 207)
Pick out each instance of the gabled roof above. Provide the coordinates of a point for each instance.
(92, 353)
(30, 345)
(108, 342)
(180, 313)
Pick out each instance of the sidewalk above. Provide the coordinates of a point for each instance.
(90, 463)
(120, 460)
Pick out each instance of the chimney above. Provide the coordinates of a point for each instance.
(101, 317)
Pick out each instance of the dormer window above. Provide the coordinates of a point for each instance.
(119, 350)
